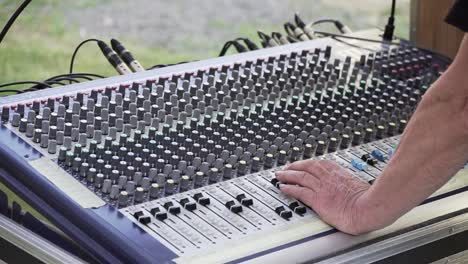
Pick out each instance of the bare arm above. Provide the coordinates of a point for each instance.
(433, 147)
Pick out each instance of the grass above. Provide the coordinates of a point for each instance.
(42, 56)
(39, 46)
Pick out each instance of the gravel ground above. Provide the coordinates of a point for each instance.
(203, 26)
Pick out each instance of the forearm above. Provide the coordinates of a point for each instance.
(424, 161)
(433, 147)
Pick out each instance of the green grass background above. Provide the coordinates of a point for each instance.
(37, 49)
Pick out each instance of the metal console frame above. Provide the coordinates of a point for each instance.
(404, 242)
(33, 244)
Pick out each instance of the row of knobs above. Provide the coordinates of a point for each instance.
(114, 140)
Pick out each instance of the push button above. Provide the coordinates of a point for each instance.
(378, 155)
(297, 208)
(233, 207)
(171, 208)
(244, 200)
(190, 206)
(201, 200)
(281, 211)
(275, 182)
(359, 165)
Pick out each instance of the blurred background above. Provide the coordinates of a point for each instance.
(41, 42)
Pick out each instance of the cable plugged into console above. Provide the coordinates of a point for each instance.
(390, 27)
(302, 31)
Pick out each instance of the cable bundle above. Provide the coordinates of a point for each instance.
(50, 82)
(295, 32)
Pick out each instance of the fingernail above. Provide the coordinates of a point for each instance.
(282, 185)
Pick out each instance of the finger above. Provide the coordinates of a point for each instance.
(330, 165)
(332, 169)
(299, 177)
(336, 169)
(301, 193)
(318, 170)
(302, 165)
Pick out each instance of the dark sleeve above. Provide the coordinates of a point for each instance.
(458, 15)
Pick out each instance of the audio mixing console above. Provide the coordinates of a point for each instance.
(177, 164)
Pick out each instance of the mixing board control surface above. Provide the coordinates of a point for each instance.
(188, 153)
(144, 140)
(231, 210)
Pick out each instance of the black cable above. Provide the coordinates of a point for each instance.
(291, 39)
(24, 82)
(166, 65)
(52, 82)
(267, 41)
(324, 20)
(357, 38)
(289, 28)
(11, 91)
(225, 48)
(40, 86)
(338, 24)
(390, 27)
(299, 22)
(67, 79)
(157, 66)
(263, 36)
(239, 47)
(30, 89)
(55, 80)
(353, 45)
(47, 84)
(84, 77)
(276, 36)
(87, 75)
(78, 75)
(13, 18)
(250, 44)
(72, 61)
(70, 78)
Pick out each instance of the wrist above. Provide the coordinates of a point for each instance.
(374, 212)
(365, 216)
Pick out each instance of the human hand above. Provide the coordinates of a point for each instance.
(331, 191)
